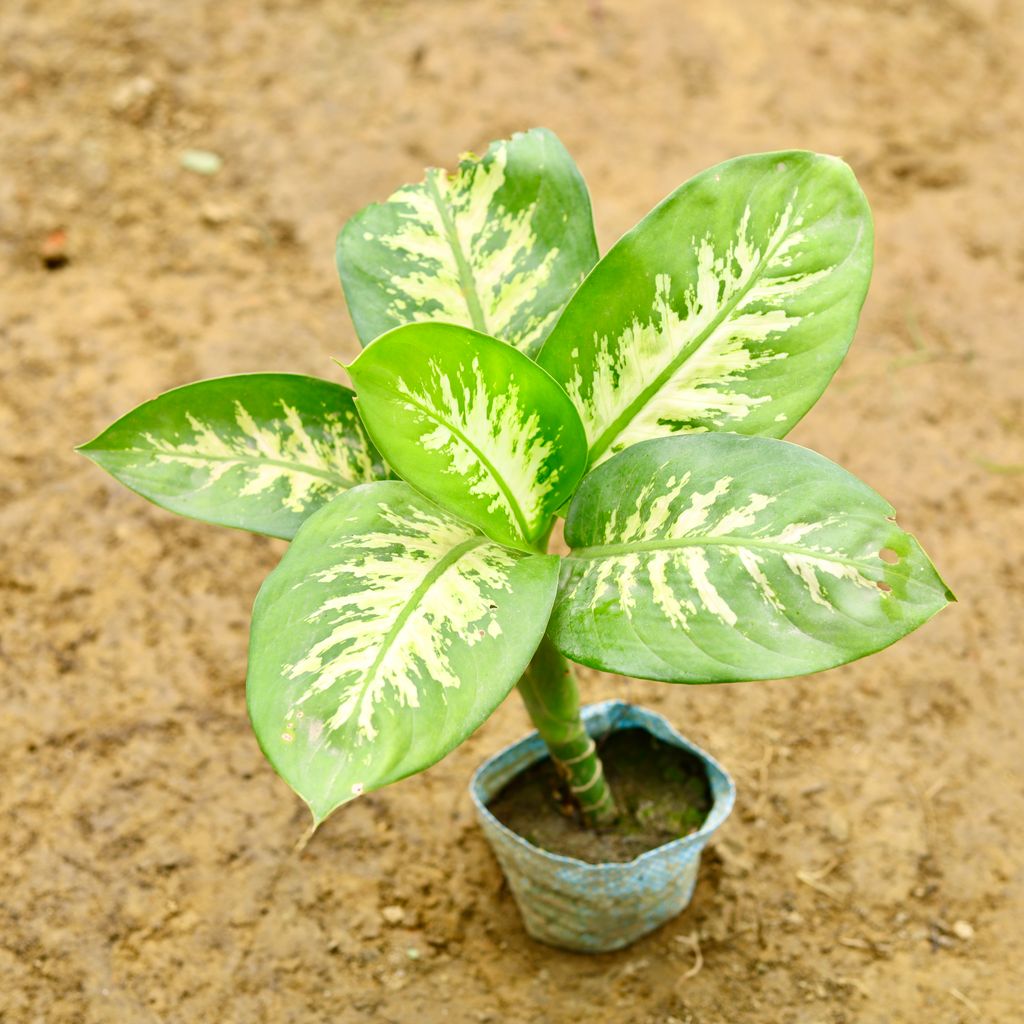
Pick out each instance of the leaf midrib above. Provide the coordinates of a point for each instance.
(668, 543)
(467, 280)
(510, 498)
(295, 467)
(605, 438)
(415, 600)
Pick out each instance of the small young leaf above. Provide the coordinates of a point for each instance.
(473, 424)
(257, 451)
(498, 246)
(387, 634)
(718, 558)
(728, 307)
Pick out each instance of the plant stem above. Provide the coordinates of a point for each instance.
(553, 701)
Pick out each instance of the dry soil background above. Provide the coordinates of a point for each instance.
(872, 872)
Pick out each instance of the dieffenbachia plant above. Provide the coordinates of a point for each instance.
(509, 377)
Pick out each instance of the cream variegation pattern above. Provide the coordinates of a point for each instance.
(258, 451)
(400, 599)
(475, 425)
(716, 557)
(727, 308)
(471, 260)
(281, 454)
(675, 526)
(498, 245)
(387, 634)
(687, 362)
(491, 440)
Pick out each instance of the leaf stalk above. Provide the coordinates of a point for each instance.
(552, 699)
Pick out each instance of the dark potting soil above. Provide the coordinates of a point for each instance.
(662, 793)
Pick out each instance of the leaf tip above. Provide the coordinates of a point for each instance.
(347, 367)
(306, 836)
(90, 449)
(947, 591)
(321, 808)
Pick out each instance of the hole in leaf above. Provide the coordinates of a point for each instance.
(888, 555)
(884, 587)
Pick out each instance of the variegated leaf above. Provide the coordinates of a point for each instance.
(473, 424)
(387, 634)
(717, 558)
(499, 245)
(729, 307)
(257, 451)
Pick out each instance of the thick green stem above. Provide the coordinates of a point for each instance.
(553, 701)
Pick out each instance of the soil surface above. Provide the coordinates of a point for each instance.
(662, 793)
(872, 870)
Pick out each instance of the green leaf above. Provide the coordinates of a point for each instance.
(387, 634)
(473, 424)
(499, 245)
(728, 307)
(718, 558)
(257, 451)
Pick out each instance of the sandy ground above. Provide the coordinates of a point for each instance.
(873, 870)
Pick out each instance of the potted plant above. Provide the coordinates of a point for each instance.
(510, 378)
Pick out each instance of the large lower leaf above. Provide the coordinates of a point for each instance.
(387, 634)
(718, 558)
(258, 451)
(728, 307)
(473, 424)
(499, 245)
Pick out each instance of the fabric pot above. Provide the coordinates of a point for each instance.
(594, 908)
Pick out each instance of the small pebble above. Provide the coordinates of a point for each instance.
(962, 930)
(838, 827)
(201, 161)
(134, 98)
(393, 915)
(215, 214)
(54, 250)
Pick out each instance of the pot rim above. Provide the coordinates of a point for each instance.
(722, 800)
